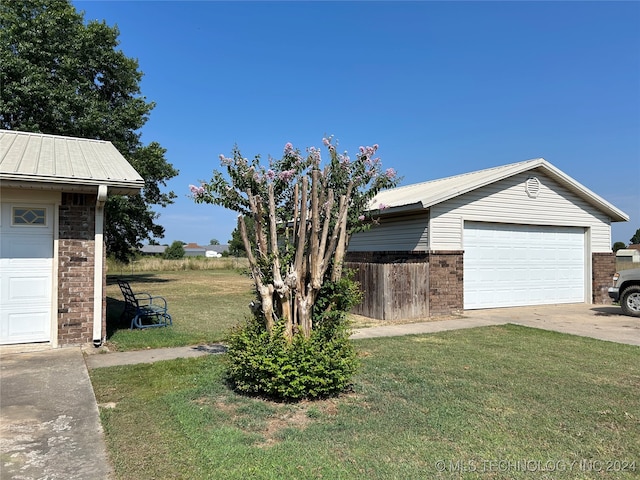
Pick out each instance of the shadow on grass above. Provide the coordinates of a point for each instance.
(137, 278)
(115, 321)
(212, 349)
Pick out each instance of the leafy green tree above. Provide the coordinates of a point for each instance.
(175, 251)
(62, 77)
(636, 238)
(618, 246)
(214, 241)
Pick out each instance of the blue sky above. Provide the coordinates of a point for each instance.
(443, 87)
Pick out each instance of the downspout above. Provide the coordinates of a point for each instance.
(98, 267)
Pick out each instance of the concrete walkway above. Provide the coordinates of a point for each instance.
(115, 359)
(50, 425)
(50, 421)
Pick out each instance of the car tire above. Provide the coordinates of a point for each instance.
(630, 301)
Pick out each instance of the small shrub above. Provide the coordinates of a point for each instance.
(266, 363)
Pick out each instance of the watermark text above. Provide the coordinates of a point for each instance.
(536, 465)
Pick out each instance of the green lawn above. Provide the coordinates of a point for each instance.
(493, 402)
(204, 305)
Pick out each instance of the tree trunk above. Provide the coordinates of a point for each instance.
(281, 288)
(265, 291)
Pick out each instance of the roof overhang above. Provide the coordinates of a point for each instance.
(75, 186)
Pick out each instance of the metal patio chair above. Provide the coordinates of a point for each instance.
(145, 310)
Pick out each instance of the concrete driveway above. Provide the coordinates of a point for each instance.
(50, 425)
(604, 322)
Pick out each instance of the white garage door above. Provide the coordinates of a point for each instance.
(26, 269)
(515, 265)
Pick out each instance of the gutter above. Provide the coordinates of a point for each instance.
(98, 267)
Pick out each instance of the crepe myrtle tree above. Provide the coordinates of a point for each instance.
(303, 211)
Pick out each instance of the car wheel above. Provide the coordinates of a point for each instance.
(630, 301)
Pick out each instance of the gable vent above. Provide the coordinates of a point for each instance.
(532, 187)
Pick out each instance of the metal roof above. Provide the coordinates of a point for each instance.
(217, 248)
(424, 195)
(153, 248)
(38, 160)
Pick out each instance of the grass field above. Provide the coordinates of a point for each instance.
(204, 305)
(151, 264)
(495, 402)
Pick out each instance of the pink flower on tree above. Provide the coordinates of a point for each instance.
(314, 153)
(390, 173)
(288, 148)
(382, 206)
(344, 159)
(196, 191)
(225, 161)
(286, 175)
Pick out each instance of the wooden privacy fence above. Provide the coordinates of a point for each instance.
(392, 291)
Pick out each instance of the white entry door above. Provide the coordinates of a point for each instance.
(26, 272)
(517, 265)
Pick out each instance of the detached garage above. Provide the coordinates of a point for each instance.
(52, 195)
(515, 235)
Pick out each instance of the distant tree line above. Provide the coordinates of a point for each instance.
(635, 240)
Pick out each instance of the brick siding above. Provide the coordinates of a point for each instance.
(602, 270)
(446, 288)
(75, 270)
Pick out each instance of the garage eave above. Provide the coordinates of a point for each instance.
(69, 185)
(411, 207)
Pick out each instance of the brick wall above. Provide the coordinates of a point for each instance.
(602, 269)
(446, 289)
(75, 269)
